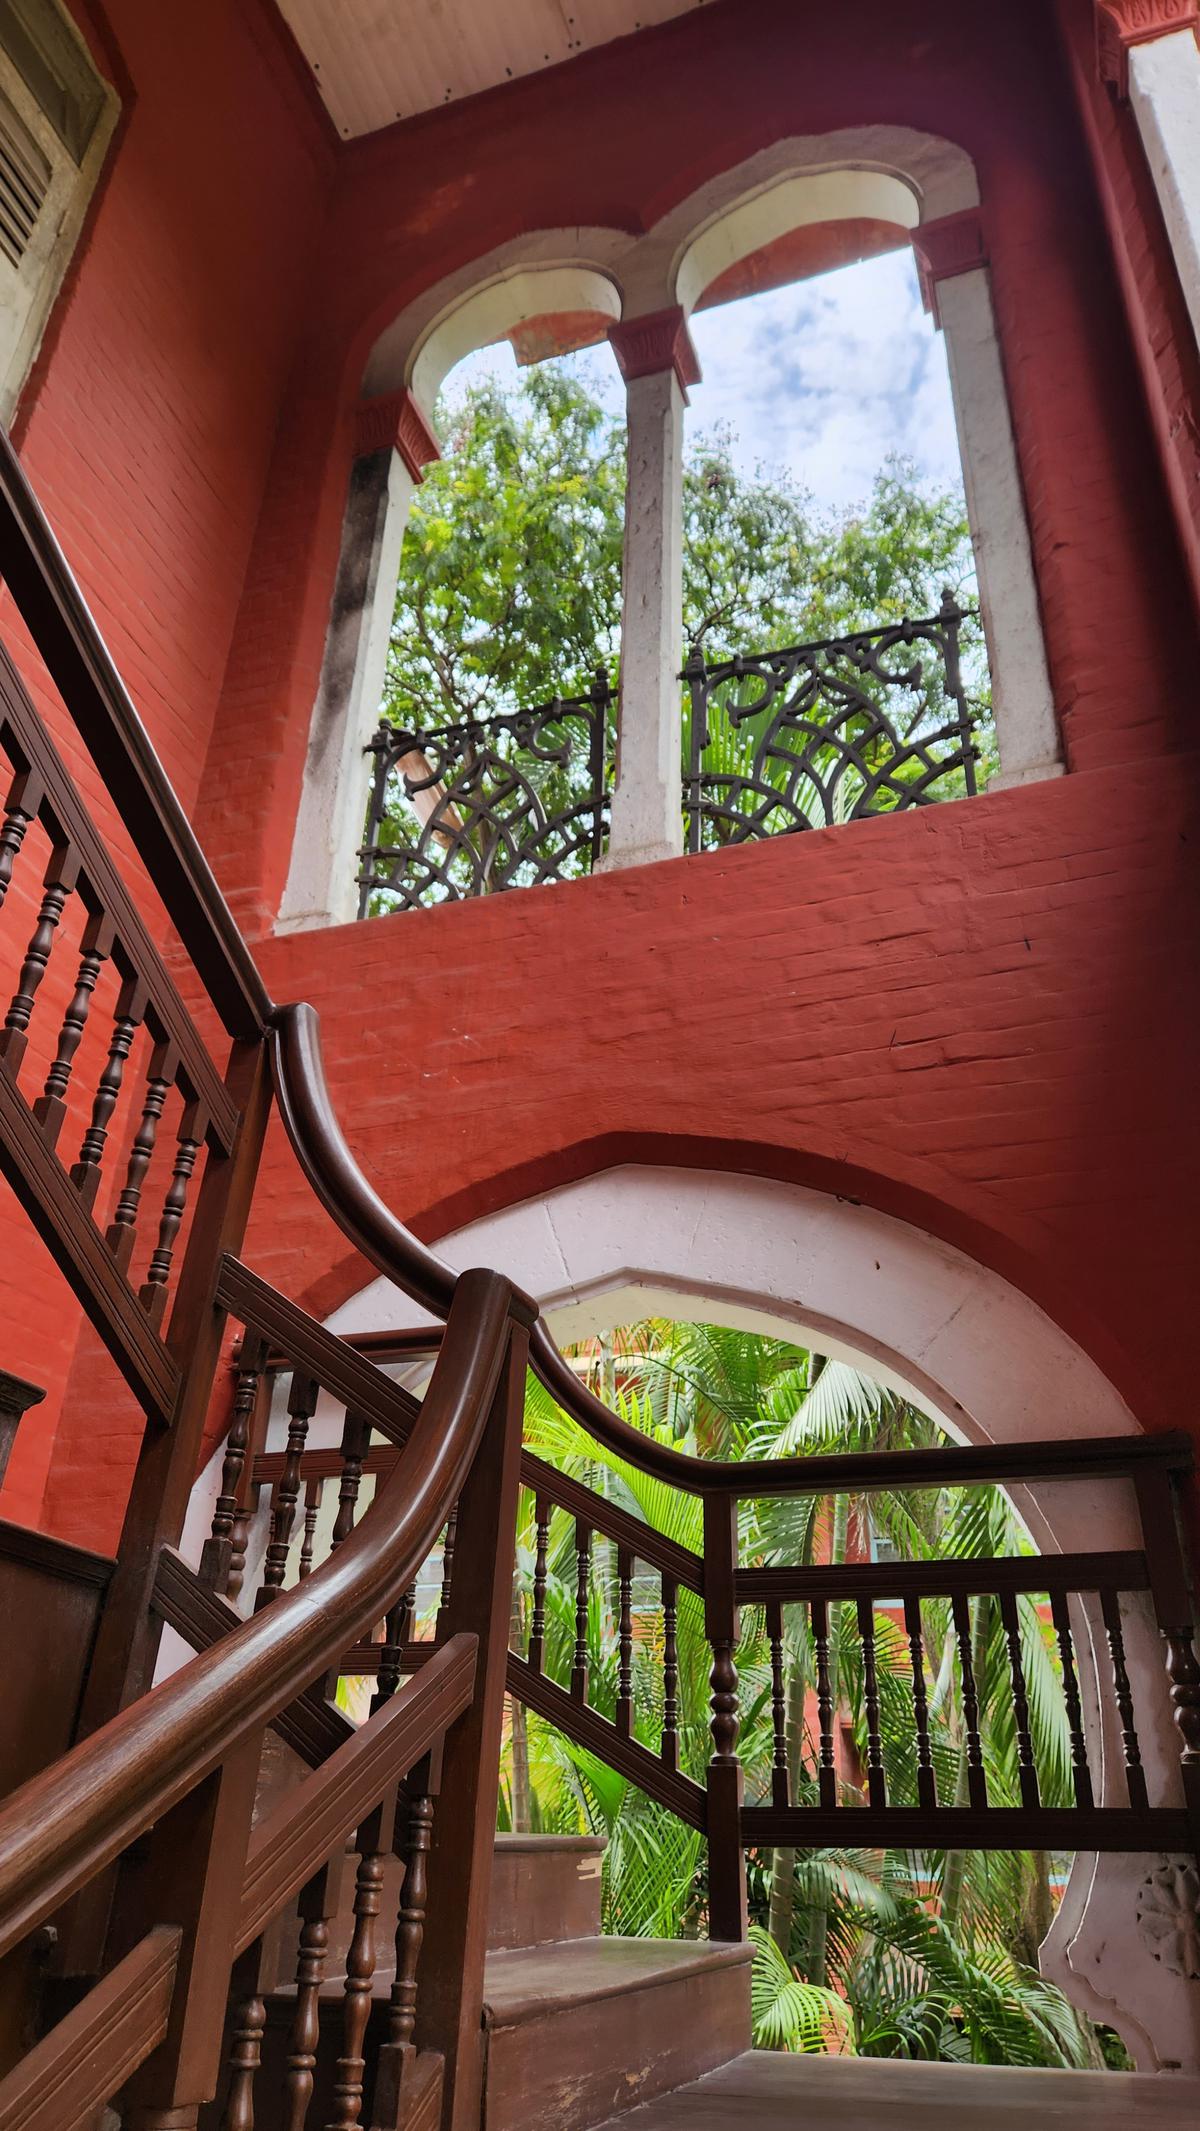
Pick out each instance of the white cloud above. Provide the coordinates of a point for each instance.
(824, 379)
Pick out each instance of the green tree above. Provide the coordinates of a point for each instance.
(510, 588)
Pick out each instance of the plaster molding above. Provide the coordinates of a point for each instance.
(1122, 24)
(1169, 1916)
(658, 341)
(395, 420)
(954, 244)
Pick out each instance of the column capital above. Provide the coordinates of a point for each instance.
(1121, 24)
(395, 420)
(659, 341)
(952, 244)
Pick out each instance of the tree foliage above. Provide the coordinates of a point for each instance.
(510, 590)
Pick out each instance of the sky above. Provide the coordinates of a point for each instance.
(823, 379)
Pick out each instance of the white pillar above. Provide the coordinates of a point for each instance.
(957, 287)
(1164, 95)
(394, 444)
(657, 363)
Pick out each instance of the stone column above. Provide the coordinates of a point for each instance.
(658, 363)
(393, 445)
(952, 262)
(1149, 53)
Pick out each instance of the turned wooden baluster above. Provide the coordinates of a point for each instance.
(356, 1436)
(726, 1877)
(60, 878)
(876, 1774)
(318, 1902)
(669, 1751)
(245, 2039)
(415, 1833)
(443, 1611)
(1183, 1672)
(1081, 1774)
(190, 1138)
(1027, 1769)
(216, 1559)
(302, 1401)
(373, 1841)
(780, 1787)
(24, 799)
(164, 1064)
(130, 1013)
(1135, 1774)
(818, 1609)
(583, 1573)
(1171, 1591)
(537, 1626)
(398, 1627)
(976, 1774)
(50, 1108)
(926, 1779)
(313, 1493)
(624, 1712)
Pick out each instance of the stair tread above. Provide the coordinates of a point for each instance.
(527, 1982)
(767, 2091)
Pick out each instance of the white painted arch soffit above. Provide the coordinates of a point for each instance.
(375, 64)
(884, 173)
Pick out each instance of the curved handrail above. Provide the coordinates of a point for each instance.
(65, 1825)
(320, 1146)
(80, 664)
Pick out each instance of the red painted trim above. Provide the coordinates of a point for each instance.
(953, 244)
(1120, 24)
(659, 341)
(395, 418)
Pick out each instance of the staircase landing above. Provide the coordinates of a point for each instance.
(766, 2092)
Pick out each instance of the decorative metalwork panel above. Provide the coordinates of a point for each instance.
(823, 733)
(501, 802)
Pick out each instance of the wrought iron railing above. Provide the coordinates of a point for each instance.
(823, 733)
(499, 802)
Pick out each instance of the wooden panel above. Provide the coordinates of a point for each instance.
(83, 2061)
(50, 1593)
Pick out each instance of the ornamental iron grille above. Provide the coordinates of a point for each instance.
(826, 732)
(499, 802)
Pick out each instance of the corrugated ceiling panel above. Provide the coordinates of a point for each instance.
(379, 60)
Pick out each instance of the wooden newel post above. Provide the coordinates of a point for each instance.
(726, 1875)
(450, 2008)
(1170, 1591)
(190, 1874)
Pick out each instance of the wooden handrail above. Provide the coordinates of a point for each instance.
(79, 662)
(60, 1829)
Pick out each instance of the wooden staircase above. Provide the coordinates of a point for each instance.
(172, 1928)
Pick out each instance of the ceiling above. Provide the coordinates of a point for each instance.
(376, 61)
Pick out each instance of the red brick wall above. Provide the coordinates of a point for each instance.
(982, 1017)
(146, 428)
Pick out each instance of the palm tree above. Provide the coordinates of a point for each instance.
(886, 1953)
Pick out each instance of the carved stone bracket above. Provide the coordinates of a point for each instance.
(1169, 1916)
(1120, 24)
(659, 341)
(953, 244)
(395, 419)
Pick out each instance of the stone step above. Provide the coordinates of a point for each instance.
(766, 2091)
(578, 2030)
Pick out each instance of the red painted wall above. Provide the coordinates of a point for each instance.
(146, 427)
(981, 1017)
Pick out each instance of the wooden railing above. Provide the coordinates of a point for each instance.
(921, 1610)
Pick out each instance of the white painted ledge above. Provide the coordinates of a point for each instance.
(1164, 92)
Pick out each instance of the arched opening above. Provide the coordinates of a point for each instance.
(929, 1329)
